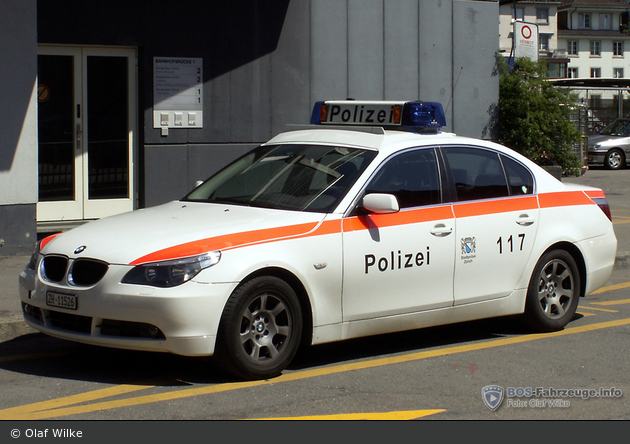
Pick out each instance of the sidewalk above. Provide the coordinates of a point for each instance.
(11, 321)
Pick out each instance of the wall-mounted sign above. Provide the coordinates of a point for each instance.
(177, 92)
(526, 40)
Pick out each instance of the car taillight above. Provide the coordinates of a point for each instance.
(602, 203)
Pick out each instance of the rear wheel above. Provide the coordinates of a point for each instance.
(260, 329)
(553, 293)
(615, 159)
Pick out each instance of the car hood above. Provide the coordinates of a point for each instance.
(593, 140)
(177, 229)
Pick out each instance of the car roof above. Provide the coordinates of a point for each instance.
(379, 139)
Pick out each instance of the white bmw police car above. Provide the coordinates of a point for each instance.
(374, 222)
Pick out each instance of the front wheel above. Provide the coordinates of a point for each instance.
(553, 293)
(614, 160)
(260, 329)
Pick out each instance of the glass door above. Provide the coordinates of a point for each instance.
(87, 130)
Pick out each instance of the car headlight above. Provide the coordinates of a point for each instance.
(171, 273)
(597, 146)
(32, 263)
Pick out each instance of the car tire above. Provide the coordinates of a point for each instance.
(615, 159)
(553, 293)
(260, 329)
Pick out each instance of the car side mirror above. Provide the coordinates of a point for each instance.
(380, 203)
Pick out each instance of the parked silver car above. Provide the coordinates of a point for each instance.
(611, 147)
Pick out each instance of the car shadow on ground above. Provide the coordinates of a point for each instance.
(39, 355)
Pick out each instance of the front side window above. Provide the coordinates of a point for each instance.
(477, 173)
(413, 177)
(298, 177)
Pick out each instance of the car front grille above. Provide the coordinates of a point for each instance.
(55, 267)
(87, 272)
(80, 273)
(70, 322)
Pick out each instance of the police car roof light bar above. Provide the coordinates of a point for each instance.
(411, 116)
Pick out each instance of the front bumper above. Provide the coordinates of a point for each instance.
(596, 157)
(182, 320)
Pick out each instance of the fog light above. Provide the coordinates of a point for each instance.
(154, 332)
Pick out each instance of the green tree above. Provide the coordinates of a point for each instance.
(533, 116)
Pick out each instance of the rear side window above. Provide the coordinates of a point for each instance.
(519, 178)
(477, 173)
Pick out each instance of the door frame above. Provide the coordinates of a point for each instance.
(83, 208)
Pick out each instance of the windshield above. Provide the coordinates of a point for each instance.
(617, 128)
(287, 177)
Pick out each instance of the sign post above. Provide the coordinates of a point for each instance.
(525, 40)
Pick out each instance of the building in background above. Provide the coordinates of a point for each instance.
(544, 15)
(596, 38)
(110, 106)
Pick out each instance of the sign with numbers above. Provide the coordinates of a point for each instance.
(177, 92)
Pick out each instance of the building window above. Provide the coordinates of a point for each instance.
(519, 13)
(543, 42)
(572, 73)
(584, 21)
(542, 15)
(605, 21)
(618, 73)
(596, 72)
(572, 47)
(595, 48)
(618, 49)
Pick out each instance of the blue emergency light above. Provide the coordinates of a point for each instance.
(414, 116)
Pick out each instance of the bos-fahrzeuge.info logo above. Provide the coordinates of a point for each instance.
(541, 397)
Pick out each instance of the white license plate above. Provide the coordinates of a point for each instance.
(59, 300)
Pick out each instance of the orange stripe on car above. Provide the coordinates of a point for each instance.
(47, 239)
(469, 209)
(594, 194)
(236, 240)
(563, 199)
(459, 210)
(395, 219)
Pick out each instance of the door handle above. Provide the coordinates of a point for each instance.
(525, 220)
(441, 230)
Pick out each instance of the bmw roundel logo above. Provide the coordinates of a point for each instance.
(81, 249)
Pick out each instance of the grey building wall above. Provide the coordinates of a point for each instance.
(334, 49)
(18, 126)
(265, 64)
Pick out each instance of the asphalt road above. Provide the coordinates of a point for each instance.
(432, 374)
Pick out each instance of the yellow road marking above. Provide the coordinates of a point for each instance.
(387, 416)
(67, 407)
(620, 301)
(610, 288)
(585, 314)
(620, 219)
(598, 309)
